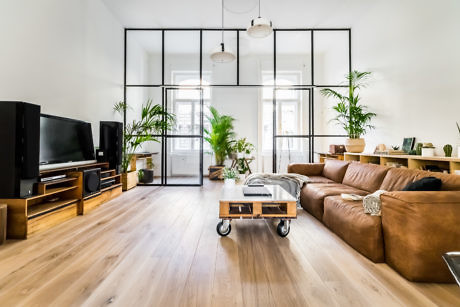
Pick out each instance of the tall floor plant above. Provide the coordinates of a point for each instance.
(220, 138)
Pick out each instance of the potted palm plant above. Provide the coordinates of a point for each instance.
(154, 119)
(220, 139)
(352, 116)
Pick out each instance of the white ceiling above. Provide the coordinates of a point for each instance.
(207, 13)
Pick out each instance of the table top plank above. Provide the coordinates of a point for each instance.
(235, 194)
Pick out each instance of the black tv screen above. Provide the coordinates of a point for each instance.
(64, 140)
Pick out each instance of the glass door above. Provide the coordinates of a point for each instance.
(292, 125)
(183, 143)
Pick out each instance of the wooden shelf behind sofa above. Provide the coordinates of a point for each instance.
(409, 161)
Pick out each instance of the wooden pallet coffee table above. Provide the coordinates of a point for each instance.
(234, 205)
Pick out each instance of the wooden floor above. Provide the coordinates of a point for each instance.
(157, 246)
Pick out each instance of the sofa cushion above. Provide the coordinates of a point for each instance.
(306, 169)
(367, 177)
(425, 184)
(335, 169)
(361, 231)
(450, 182)
(398, 178)
(312, 196)
(319, 179)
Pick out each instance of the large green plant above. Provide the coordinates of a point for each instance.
(352, 115)
(221, 135)
(153, 121)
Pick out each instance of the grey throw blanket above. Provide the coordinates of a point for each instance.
(292, 183)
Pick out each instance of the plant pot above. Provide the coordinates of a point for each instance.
(427, 152)
(147, 177)
(355, 145)
(128, 180)
(216, 172)
(229, 182)
(241, 177)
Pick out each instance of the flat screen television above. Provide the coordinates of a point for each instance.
(64, 142)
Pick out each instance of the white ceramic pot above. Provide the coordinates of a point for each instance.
(427, 152)
(355, 145)
(229, 182)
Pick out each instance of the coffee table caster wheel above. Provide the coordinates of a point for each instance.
(223, 229)
(283, 228)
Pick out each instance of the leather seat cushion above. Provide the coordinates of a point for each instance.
(335, 169)
(367, 177)
(398, 178)
(319, 179)
(312, 196)
(360, 230)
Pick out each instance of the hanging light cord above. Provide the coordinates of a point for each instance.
(259, 8)
(223, 22)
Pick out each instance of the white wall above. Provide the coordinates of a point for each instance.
(66, 56)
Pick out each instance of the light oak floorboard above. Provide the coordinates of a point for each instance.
(158, 246)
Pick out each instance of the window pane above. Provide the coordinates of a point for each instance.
(183, 167)
(143, 62)
(256, 55)
(291, 150)
(293, 53)
(331, 57)
(182, 54)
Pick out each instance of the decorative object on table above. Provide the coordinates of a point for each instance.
(352, 116)
(408, 144)
(428, 150)
(337, 149)
(153, 121)
(230, 176)
(448, 150)
(395, 147)
(241, 156)
(452, 260)
(418, 149)
(380, 148)
(458, 148)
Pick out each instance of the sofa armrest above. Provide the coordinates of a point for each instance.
(418, 228)
(306, 169)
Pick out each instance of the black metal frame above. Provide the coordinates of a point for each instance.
(165, 87)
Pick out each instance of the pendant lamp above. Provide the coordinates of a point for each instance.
(260, 27)
(221, 54)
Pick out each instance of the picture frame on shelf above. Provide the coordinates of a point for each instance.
(408, 144)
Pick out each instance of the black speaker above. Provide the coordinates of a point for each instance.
(19, 148)
(110, 144)
(91, 181)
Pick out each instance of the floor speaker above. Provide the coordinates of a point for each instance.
(91, 181)
(110, 144)
(20, 147)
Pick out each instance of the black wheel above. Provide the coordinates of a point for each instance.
(219, 229)
(282, 230)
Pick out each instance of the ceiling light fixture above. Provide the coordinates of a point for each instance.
(219, 54)
(260, 27)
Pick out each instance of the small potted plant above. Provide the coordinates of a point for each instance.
(230, 176)
(448, 150)
(428, 150)
(242, 151)
(352, 116)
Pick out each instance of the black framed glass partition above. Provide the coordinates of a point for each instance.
(282, 75)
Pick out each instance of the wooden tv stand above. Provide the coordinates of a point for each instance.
(57, 201)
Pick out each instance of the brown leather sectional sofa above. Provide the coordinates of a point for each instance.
(415, 228)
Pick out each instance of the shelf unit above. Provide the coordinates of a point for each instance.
(57, 201)
(410, 161)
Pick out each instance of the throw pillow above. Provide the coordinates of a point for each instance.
(425, 184)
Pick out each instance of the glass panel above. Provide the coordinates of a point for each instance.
(330, 57)
(183, 166)
(143, 62)
(147, 164)
(185, 104)
(292, 111)
(219, 73)
(136, 97)
(182, 55)
(256, 56)
(293, 55)
(291, 150)
(324, 114)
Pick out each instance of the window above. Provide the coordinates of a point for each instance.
(185, 105)
(289, 112)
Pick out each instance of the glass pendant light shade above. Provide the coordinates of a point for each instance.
(220, 54)
(260, 28)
